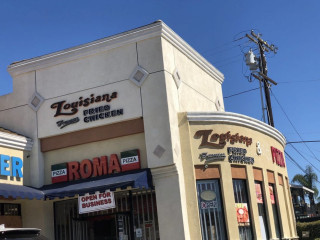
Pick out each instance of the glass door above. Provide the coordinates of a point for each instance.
(123, 226)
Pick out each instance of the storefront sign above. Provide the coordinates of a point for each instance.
(11, 166)
(64, 108)
(209, 158)
(139, 232)
(148, 224)
(277, 157)
(61, 124)
(96, 202)
(259, 151)
(130, 160)
(102, 112)
(259, 193)
(272, 195)
(242, 214)
(98, 166)
(59, 173)
(212, 157)
(208, 199)
(238, 155)
(219, 140)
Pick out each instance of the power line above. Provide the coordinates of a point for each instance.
(305, 158)
(227, 43)
(228, 59)
(298, 165)
(294, 127)
(309, 141)
(228, 63)
(317, 80)
(219, 51)
(236, 94)
(295, 162)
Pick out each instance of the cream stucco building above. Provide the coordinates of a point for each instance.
(140, 114)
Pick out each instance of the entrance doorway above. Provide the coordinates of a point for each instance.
(102, 228)
(109, 227)
(133, 218)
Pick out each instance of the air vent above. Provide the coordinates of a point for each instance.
(35, 101)
(138, 76)
(176, 77)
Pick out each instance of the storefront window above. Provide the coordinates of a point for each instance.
(134, 218)
(275, 209)
(262, 211)
(242, 209)
(211, 210)
(9, 209)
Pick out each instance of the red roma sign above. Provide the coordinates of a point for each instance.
(98, 166)
(277, 157)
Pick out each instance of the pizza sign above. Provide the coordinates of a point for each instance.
(98, 166)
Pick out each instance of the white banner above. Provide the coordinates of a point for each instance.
(96, 202)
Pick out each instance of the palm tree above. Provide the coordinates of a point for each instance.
(308, 180)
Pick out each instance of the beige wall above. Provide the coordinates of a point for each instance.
(190, 155)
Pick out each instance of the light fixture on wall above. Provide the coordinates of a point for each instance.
(35, 101)
(138, 76)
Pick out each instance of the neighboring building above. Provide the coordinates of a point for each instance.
(301, 202)
(137, 121)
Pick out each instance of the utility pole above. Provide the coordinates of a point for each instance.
(264, 47)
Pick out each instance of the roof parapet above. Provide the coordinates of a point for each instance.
(157, 28)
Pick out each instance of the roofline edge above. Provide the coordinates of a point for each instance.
(15, 142)
(155, 29)
(239, 119)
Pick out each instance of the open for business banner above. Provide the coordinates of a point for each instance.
(96, 202)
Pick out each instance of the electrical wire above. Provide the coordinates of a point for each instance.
(310, 141)
(298, 165)
(236, 94)
(305, 158)
(228, 59)
(220, 51)
(229, 43)
(317, 80)
(220, 46)
(228, 63)
(295, 162)
(294, 126)
(271, 92)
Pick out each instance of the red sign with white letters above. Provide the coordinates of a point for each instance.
(277, 157)
(98, 166)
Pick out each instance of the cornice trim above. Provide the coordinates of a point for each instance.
(193, 55)
(164, 172)
(155, 29)
(237, 119)
(16, 142)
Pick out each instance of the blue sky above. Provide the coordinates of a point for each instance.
(31, 28)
